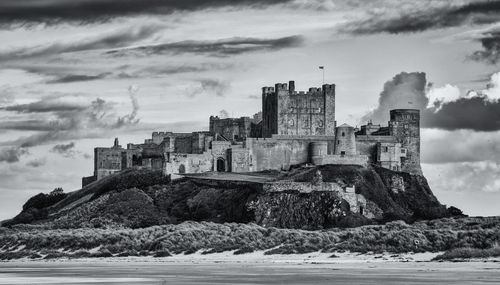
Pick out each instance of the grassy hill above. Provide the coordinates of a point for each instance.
(141, 198)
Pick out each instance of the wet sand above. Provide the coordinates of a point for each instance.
(162, 271)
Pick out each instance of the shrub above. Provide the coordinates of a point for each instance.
(467, 252)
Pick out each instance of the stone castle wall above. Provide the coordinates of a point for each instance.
(179, 163)
(302, 187)
(231, 128)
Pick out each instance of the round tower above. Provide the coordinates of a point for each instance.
(404, 126)
(319, 149)
(345, 140)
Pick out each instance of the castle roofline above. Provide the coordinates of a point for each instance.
(405, 110)
(344, 125)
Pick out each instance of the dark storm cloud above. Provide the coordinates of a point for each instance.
(12, 154)
(490, 41)
(63, 148)
(160, 70)
(45, 106)
(474, 113)
(66, 150)
(408, 90)
(51, 11)
(27, 125)
(427, 17)
(405, 90)
(115, 39)
(151, 70)
(77, 78)
(224, 47)
(209, 86)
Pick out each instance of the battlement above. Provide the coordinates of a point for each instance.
(404, 114)
(267, 90)
(281, 87)
(161, 133)
(314, 90)
(290, 87)
(328, 87)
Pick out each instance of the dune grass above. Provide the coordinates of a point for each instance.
(461, 238)
(463, 253)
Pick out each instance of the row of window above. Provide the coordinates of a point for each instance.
(386, 149)
(305, 110)
(305, 123)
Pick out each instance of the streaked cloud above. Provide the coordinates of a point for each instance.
(85, 11)
(219, 48)
(419, 16)
(66, 120)
(107, 40)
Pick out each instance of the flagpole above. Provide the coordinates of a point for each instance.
(323, 69)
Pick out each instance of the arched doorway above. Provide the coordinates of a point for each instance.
(221, 165)
(182, 169)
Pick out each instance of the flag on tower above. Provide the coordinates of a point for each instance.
(321, 67)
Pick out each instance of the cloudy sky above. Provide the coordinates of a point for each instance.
(74, 74)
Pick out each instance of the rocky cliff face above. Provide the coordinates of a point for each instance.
(380, 195)
(343, 196)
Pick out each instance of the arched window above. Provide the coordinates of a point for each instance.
(343, 134)
(182, 169)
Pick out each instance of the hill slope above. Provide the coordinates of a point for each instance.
(141, 198)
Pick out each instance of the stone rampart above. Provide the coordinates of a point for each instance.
(302, 187)
(357, 159)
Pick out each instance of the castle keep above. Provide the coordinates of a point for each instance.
(293, 128)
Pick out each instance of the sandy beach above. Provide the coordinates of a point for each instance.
(253, 268)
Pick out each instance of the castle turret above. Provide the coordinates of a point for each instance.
(269, 112)
(116, 144)
(329, 97)
(291, 86)
(404, 125)
(319, 150)
(345, 140)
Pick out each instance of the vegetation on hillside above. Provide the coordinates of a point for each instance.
(140, 198)
(453, 235)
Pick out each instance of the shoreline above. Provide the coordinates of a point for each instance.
(258, 257)
(251, 268)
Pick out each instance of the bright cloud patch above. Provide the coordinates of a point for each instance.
(439, 95)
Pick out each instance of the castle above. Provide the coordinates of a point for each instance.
(293, 128)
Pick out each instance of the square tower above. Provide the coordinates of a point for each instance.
(288, 112)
